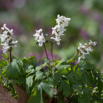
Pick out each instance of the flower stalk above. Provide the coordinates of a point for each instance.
(10, 54)
(84, 50)
(45, 51)
(52, 50)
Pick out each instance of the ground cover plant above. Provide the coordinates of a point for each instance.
(50, 81)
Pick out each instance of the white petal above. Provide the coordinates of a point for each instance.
(2, 28)
(79, 58)
(14, 42)
(58, 43)
(40, 43)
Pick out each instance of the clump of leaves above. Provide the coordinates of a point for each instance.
(60, 82)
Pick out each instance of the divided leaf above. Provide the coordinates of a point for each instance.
(85, 98)
(36, 97)
(29, 82)
(86, 77)
(86, 65)
(64, 85)
(47, 88)
(39, 75)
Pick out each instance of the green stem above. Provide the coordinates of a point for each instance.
(52, 50)
(74, 56)
(45, 51)
(10, 54)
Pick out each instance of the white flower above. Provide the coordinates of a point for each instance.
(92, 43)
(62, 20)
(59, 29)
(7, 29)
(37, 34)
(41, 40)
(81, 46)
(3, 36)
(85, 49)
(6, 39)
(5, 49)
(57, 39)
(39, 37)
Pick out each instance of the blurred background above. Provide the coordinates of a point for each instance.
(26, 16)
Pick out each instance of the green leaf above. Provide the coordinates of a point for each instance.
(24, 61)
(22, 81)
(41, 66)
(63, 69)
(100, 86)
(4, 72)
(39, 75)
(69, 61)
(5, 56)
(56, 62)
(1, 71)
(86, 77)
(16, 66)
(61, 62)
(64, 85)
(29, 82)
(47, 88)
(3, 63)
(71, 78)
(54, 80)
(60, 101)
(85, 98)
(86, 65)
(28, 69)
(56, 77)
(14, 81)
(76, 75)
(51, 80)
(12, 72)
(76, 87)
(32, 61)
(36, 97)
(38, 68)
(20, 63)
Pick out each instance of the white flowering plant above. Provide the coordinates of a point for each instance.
(50, 81)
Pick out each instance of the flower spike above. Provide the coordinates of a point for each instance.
(6, 39)
(59, 29)
(39, 37)
(85, 49)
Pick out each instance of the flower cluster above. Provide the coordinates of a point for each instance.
(39, 37)
(59, 29)
(85, 49)
(6, 39)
